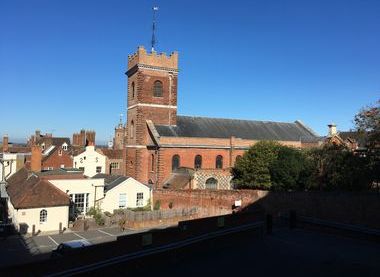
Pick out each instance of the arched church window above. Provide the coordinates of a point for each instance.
(198, 161)
(175, 162)
(238, 158)
(211, 183)
(133, 89)
(132, 129)
(157, 89)
(219, 162)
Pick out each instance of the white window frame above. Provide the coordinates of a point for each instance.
(140, 199)
(122, 200)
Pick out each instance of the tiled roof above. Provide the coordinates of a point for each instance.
(179, 179)
(54, 141)
(205, 127)
(26, 190)
(360, 138)
(112, 153)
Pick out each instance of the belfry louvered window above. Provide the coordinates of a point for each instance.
(157, 89)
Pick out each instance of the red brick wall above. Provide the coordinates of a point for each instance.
(55, 160)
(187, 157)
(345, 207)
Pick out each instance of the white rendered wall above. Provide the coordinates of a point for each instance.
(131, 187)
(55, 215)
(76, 186)
(89, 160)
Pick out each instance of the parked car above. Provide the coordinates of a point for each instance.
(67, 247)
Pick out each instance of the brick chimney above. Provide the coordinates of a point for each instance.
(36, 159)
(5, 143)
(332, 129)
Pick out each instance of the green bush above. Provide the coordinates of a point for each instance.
(157, 205)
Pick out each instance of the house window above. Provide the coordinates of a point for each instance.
(133, 89)
(198, 161)
(64, 146)
(157, 89)
(81, 168)
(98, 169)
(80, 201)
(211, 183)
(60, 152)
(62, 166)
(175, 162)
(140, 199)
(43, 216)
(219, 162)
(122, 200)
(132, 129)
(114, 165)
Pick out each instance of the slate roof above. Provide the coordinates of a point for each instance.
(205, 127)
(110, 181)
(27, 190)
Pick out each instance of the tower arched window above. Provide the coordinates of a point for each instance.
(198, 161)
(152, 162)
(175, 162)
(132, 130)
(43, 216)
(133, 89)
(211, 183)
(157, 89)
(219, 162)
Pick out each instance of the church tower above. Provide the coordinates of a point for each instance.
(152, 95)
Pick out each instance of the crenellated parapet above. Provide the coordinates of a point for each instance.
(153, 59)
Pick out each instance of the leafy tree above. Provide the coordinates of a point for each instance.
(289, 171)
(252, 170)
(338, 168)
(368, 121)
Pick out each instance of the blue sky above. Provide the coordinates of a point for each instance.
(62, 63)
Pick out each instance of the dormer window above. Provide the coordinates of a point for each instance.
(157, 89)
(64, 146)
(43, 146)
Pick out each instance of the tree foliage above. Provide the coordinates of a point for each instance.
(252, 170)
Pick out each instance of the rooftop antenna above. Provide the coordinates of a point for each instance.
(155, 8)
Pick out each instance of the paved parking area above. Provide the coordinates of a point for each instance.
(46, 243)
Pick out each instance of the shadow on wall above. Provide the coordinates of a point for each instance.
(358, 208)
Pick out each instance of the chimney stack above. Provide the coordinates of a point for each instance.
(332, 129)
(5, 143)
(36, 159)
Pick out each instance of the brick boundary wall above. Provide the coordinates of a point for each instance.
(361, 208)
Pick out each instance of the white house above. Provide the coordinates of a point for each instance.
(43, 201)
(10, 163)
(83, 192)
(90, 161)
(122, 192)
(36, 205)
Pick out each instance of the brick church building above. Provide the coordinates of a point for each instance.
(167, 149)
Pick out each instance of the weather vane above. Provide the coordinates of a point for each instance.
(155, 8)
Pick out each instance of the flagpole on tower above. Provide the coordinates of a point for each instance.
(155, 8)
